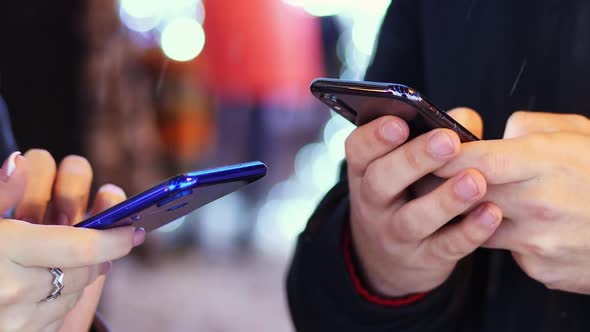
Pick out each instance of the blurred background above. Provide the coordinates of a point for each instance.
(146, 89)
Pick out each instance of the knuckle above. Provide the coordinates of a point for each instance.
(471, 239)
(544, 209)
(350, 144)
(576, 118)
(449, 204)
(531, 270)
(537, 272)
(547, 248)
(87, 251)
(406, 229)
(14, 323)
(350, 150)
(554, 285)
(567, 169)
(519, 118)
(412, 158)
(372, 181)
(540, 142)
(451, 249)
(518, 124)
(493, 164)
(70, 199)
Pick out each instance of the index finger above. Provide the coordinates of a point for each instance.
(374, 140)
(500, 161)
(64, 246)
(72, 188)
(37, 194)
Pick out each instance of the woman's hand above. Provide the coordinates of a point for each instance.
(54, 195)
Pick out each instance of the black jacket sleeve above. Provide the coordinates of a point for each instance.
(320, 291)
(322, 296)
(398, 57)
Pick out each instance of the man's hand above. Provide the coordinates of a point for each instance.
(403, 242)
(540, 177)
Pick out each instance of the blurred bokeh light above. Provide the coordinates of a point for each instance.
(182, 39)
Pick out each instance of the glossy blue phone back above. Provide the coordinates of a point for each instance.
(177, 197)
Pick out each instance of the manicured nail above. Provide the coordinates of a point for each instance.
(441, 144)
(9, 166)
(105, 268)
(138, 237)
(488, 217)
(392, 131)
(466, 187)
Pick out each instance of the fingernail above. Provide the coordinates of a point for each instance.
(392, 131)
(9, 166)
(111, 188)
(62, 219)
(138, 237)
(105, 267)
(466, 187)
(488, 217)
(441, 144)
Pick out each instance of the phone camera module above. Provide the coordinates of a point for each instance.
(330, 98)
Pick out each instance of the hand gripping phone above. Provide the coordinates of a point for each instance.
(361, 102)
(177, 197)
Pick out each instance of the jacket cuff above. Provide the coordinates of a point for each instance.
(363, 290)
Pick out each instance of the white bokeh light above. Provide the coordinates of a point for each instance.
(183, 39)
(324, 7)
(140, 15)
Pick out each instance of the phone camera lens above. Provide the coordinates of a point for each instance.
(329, 98)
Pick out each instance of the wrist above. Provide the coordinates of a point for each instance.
(383, 296)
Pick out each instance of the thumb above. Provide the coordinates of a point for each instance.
(469, 119)
(523, 123)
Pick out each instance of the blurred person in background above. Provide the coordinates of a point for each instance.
(378, 254)
(259, 58)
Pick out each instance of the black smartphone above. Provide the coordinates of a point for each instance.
(361, 102)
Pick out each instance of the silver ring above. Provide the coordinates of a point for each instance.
(58, 284)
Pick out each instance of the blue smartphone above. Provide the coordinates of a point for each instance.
(177, 197)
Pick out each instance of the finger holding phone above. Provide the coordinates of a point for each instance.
(51, 199)
(400, 240)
